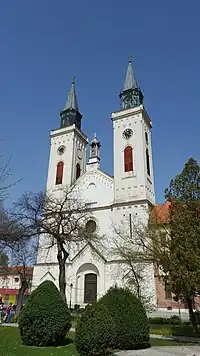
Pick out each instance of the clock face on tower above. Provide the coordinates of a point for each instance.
(61, 150)
(127, 133)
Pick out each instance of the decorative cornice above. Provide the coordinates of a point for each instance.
(68, 129)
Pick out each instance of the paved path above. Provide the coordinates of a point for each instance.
(164, 351)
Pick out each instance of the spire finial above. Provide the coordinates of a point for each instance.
(95, 135)
(73, 80)
(130, 59)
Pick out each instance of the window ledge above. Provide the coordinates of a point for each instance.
(129, 175)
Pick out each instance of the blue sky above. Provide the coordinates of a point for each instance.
(45, 42)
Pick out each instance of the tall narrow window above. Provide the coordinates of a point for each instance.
(146, 138)
(168, 291)
(148, 162)
(128, 159)
(78, 170)
(59, 173)
(90, 290)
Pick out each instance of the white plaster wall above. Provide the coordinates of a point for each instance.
(96, 187)
(44, 272)
(9, 282)
(131, 185)
(71, 138)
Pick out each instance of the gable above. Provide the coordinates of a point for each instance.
(48, 276)
(96, 187)
(87, 250)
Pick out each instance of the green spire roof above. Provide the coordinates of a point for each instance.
(130, 81)
(72, 101)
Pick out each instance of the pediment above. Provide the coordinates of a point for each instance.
(87, 250)
(96, 187)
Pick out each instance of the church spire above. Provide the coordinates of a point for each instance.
(72, 101)
(130, 81)
(131, 96)
(70, 115)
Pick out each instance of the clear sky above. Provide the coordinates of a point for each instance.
(43, 43)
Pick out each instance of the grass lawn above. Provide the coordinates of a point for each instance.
(10, 345)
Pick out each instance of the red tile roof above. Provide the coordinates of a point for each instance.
(16, 270)
(160, 213)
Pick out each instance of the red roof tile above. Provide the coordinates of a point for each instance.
(160, 213)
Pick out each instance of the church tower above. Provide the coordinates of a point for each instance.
(67, 160)
(133, 168)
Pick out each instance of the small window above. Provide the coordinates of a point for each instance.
(91, 226)
(59, 173)
(16, 279)
(78, 170)
(168, 291)
(146, 138)
(128, 159)
(148, 162)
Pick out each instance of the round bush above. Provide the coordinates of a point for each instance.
(131, 325)
(94, 331)
(45, 319)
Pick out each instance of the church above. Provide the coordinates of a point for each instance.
(129, 192)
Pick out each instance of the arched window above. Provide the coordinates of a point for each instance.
(148, 162)
(90, 288)
(59, 173)
(128, 159)
(78, 170)
(146, 138)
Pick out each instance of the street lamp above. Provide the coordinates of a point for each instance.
(70, 302)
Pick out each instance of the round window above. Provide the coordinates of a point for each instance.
(91, 226)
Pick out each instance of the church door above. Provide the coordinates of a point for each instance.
(90, 290)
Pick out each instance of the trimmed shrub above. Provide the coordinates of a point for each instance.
(94, 331)
(131, 325)
(172, 320)
(197, 316)
(45, 319)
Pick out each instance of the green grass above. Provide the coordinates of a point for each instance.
(159, 342)
(10, 345)
(174, 330)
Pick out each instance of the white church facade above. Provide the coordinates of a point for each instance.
(129, 192)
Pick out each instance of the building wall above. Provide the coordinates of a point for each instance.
(134, 185)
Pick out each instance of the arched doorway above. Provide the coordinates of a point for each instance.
(90, 288)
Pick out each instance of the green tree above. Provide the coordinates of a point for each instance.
(184, 227)
(171, 244)
(45, 319)
(3, 259)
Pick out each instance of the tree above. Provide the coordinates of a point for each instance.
(184, 224)
(23, 257)
(138, 248)
(45, 319)
(3, 259)
(172, 245)
(61, 222)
